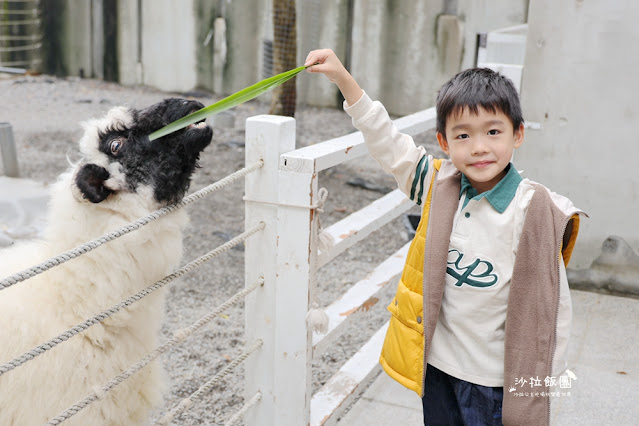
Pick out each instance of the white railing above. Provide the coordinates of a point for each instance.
(283, 195)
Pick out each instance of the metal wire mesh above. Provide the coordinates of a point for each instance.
(20, 34)
(284, 55)
(310, 22)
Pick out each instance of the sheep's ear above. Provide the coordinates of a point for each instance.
(90, 180)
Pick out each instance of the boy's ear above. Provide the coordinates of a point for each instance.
(443, 143)
(519, 136)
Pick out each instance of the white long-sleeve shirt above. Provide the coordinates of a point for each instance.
(468, 342)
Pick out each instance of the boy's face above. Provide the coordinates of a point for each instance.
(481, 145)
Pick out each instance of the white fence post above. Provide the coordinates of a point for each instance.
(297, 191)
(275, 313)
(282, 195)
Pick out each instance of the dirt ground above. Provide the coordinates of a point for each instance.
(45, 113)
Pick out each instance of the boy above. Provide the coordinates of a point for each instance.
(483, 303)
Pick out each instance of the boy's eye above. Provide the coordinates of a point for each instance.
(493, 132)
(463, 136)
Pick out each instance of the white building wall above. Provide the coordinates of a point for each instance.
(580, 84)
(168, 45)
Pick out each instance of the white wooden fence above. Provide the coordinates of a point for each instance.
(281, 194)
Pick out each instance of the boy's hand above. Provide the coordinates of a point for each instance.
(327, 63)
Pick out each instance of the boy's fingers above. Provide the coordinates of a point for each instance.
(315, 68)
(313, 60)
(319, 56)
(310, 58)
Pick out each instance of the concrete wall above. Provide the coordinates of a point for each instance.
(401, 51)
(404, 50)
(483, 16)
(395, 53)
(245, 28)
(129, 47)
(580, 84)
(205, 39)
(165, 47)
(70, 45)
(505, 52)
(77, 38)
(321, 24)
(168, 44)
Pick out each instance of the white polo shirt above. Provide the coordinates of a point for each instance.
(469, 337)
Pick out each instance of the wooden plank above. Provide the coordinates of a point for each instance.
(348, 383)
(359, 298)
(360, 224)
(332, 152)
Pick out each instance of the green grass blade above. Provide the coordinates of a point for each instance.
(235, 99)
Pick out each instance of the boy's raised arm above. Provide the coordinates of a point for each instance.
(394, 151)
(329, 64)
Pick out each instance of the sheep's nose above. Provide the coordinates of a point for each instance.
(199, 104)
(195, 105)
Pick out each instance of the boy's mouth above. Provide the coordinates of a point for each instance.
(481, 164)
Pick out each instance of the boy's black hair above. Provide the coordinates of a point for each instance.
(475, 88)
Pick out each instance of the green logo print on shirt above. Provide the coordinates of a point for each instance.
(474, 274)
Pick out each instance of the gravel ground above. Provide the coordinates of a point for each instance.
(46, 113)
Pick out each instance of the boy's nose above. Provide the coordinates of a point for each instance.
(478, 146)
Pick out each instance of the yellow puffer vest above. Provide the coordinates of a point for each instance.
(548, 234)
(404, 343)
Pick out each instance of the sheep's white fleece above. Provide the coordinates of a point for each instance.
(42, 307)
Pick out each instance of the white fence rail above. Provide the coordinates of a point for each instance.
(283, 194)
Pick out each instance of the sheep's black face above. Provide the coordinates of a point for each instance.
(128, 160)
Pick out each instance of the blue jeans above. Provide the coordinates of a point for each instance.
(451, 401)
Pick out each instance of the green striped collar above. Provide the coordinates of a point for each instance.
(500, 196)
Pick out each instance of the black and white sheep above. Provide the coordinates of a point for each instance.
(121, 177)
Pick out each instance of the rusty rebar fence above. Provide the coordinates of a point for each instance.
(20, 35)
